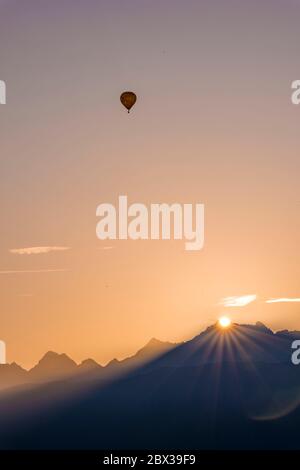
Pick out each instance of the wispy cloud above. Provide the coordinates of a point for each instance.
(105, 248)
(238, 301)
(34, 271)
(37, 250)
(282, 299)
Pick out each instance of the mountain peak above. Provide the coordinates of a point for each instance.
(89, 364)
(288, 334)
(16, 366)
(258, 326)
(154, 342)
(52, 355)
(263, 327)
(52, 365)
(113, 363)
(152, 349)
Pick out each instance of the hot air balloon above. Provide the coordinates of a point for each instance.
(128, 99)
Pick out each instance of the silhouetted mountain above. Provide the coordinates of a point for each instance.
(262, 345)
(231, 389)
(12, 375)
(259, 326)
(89, 365)
(53, 366)
(241, 343)
(289, 334)
(113, 364)
(152, 350)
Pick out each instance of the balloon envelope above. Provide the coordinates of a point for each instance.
(128, 99)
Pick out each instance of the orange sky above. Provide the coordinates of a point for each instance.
(213, 124)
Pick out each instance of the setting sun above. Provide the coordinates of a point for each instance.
(224, 322)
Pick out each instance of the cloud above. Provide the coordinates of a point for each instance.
(282, 299)
(34, 271)
(37, 250)
(105, 248)
(238, 301)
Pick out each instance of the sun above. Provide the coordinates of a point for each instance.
(224, 322)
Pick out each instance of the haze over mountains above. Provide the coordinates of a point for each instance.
(54, 366)
(231, 389)
(266, 347)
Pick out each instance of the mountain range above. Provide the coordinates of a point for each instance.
(54, 366)
(223, 389)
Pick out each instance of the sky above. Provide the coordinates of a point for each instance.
(213, 124)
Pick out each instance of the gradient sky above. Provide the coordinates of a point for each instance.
(213, 124)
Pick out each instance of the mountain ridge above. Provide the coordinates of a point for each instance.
(56, 366)
(241, 379)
